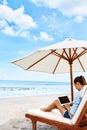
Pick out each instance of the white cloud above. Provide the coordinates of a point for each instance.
(3, 24)
(44, 36)
(67, 7)
(79, 19)
(46, 3)
(10, 31)
(18, 23)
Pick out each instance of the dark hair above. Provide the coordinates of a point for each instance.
(80, 79)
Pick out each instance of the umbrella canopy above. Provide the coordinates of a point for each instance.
(67, 56)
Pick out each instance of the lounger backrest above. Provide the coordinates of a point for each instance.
(77, 114)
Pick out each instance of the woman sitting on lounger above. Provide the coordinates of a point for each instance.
(68, 111)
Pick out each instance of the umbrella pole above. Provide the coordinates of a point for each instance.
(71, 79)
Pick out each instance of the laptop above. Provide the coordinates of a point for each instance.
(64, 100)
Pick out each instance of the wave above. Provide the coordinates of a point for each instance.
(28, 88)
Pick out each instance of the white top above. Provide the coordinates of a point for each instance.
(76, 101)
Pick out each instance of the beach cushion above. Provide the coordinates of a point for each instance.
(53, 115)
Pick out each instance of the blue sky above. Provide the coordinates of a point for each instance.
(27, 25)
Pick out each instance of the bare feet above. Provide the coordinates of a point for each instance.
(45, 110)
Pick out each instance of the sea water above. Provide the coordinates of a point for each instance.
(13, 88)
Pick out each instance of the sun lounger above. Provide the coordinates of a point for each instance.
(78, 122)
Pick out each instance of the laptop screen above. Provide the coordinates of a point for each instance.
(64, 99)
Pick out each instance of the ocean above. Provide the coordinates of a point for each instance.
(15, 88)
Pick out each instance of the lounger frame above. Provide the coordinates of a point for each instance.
(81, 123)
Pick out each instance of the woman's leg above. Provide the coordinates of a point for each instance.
(53, 105)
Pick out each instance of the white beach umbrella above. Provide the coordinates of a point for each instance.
(67, 56)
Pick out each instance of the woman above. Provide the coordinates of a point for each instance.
(67, 110)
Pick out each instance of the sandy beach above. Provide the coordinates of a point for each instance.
(12, 112)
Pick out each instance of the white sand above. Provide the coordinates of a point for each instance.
(12, 112)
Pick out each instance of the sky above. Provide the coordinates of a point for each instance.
(28, 25)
